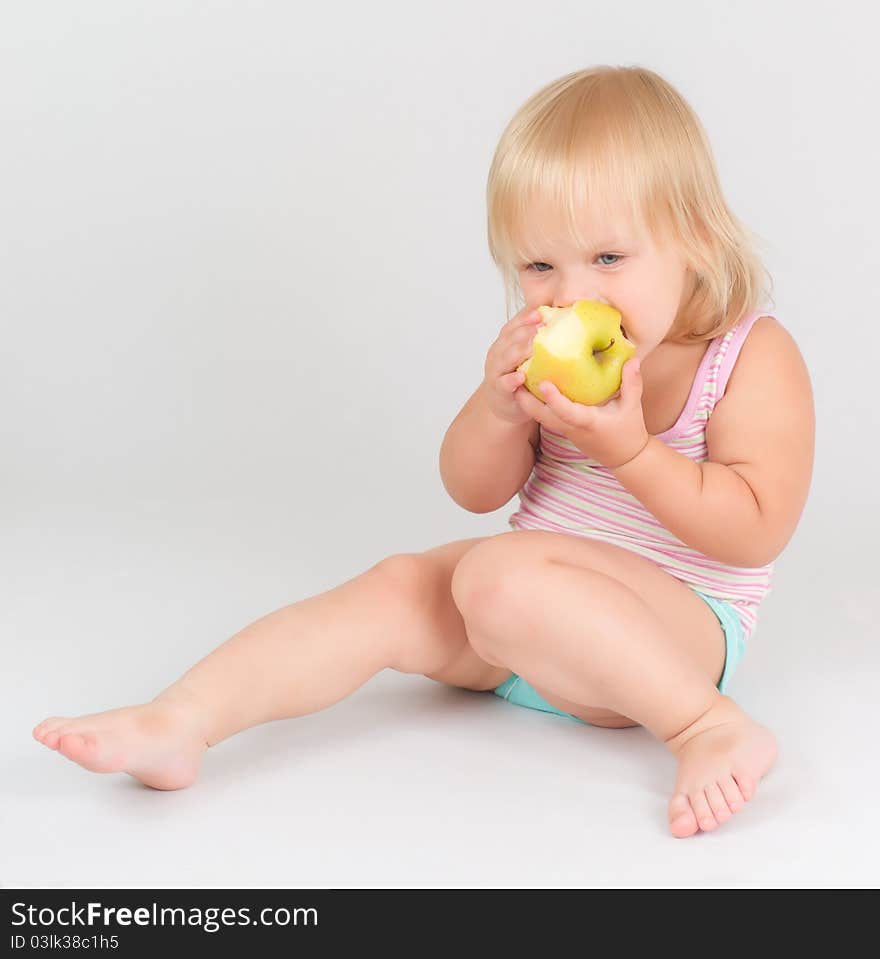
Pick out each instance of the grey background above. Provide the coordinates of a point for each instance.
(244, 289)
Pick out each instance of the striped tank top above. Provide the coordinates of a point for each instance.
(570, 493)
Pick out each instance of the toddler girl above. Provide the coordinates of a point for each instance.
(627, 588)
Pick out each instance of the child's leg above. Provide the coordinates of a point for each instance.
(587, 622)
(299, 659)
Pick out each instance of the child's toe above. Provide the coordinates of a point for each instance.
(682, 821)
(703, 811)
(717, 802)
(77, 747)
(47, 725)
(50, 739)
(746, 785)
(731, 792)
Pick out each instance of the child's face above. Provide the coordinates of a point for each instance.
(647, 284)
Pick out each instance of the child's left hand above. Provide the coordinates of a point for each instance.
(612, 433)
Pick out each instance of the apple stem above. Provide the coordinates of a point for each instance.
(604, 348)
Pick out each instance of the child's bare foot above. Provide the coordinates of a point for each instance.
(721, 757)
(160, 743)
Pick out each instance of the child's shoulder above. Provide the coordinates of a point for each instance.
(768, 358)
(769, 382)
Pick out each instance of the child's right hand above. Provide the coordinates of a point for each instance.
(513, 346)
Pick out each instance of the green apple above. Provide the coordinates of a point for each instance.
(581, 350)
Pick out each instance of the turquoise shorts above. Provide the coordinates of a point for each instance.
(517, 690)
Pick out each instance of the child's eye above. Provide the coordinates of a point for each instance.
(534, 266)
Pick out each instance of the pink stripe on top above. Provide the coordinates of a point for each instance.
(570, 493)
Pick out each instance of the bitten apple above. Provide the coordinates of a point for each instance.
(581, 350)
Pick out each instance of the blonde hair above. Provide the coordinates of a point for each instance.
(623, 138)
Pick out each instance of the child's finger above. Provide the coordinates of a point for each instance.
(521, 319)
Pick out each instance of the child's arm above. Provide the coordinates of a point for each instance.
(742, 505)
(483, 460)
